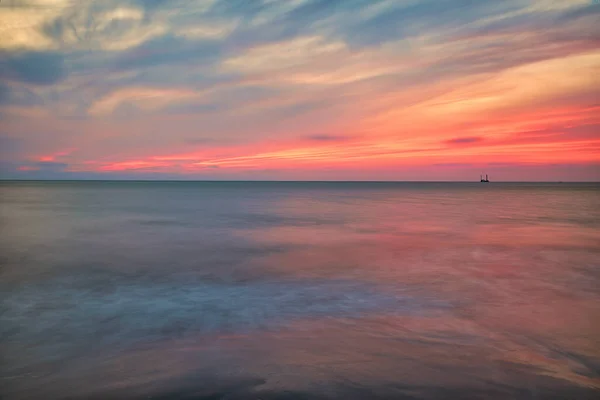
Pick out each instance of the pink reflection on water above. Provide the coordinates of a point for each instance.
(500, 294)
(518, 282)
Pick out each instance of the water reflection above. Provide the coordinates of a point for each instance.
(282, 291)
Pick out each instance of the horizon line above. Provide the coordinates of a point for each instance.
(273, 181)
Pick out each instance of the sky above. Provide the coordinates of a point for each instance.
(300, 89)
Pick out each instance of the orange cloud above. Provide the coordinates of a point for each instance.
(55, 156)
(184, 97)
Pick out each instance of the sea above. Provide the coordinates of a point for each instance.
(299, 290)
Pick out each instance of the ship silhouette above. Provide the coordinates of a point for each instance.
(484, 180)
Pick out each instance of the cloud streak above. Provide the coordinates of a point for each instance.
(298, 88)
(464, 140)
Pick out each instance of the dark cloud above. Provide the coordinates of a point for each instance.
(276, 31)
(152, 4)
(168, 50)
(544, 23)
(38, 68)
(283, 25)
(19, 96)
(464, 140)
(399, 21)
(589, 11)
(519, 40)
(297, 109)
(327, 138)
(496, 57)
(315, 10)
(503, 164)
(405, 21)
(581, 133)
(56, 28)
(245, 8)
(457, 164)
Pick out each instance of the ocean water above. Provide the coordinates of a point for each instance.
(273, 290)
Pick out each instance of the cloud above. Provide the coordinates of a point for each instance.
(247, 83)
(315, 10)
(464, 140)
(165, 50)
(107, 25)
(207, 30)
(38, 68)
(10, 147)
(586, 135)
(140, 99)
(18, 96)
(404, 20)
(50, 165)
(21, 25)
(456, 164)
(327, 138)
(248, 8)
(37, 167)
(282, 55)
(586, 11)
(200, 140)
(544, 21)
(4, 93)
(296, 108)
(193, 108)
(152, 4)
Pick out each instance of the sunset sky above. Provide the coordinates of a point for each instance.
(300, 89)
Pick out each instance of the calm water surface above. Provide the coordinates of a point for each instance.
(187, 290)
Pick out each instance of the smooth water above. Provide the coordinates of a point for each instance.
(258, 290)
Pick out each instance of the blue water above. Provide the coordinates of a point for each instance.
(268, 290)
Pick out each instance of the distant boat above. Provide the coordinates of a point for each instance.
(484, 180)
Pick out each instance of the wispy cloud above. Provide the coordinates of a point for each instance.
(183, 86)
(328, 138)
(463, 140)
